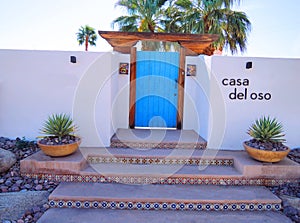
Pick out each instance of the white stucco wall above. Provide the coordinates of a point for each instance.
(120, 89)
(92, 102)
(105, 96)
(35, 84)
(196, 103)
(278, 78)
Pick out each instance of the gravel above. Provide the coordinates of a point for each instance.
(51, 140)
(295, 155)
(268, 146)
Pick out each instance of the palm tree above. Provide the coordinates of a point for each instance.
(188, 16)
(143, 15)
(86, 35)
(211, 17)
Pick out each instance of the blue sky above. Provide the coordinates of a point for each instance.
(52, 25)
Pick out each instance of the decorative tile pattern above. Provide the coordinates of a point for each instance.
(132, 205)
(161, 145)
(158, 160)
(161, 180)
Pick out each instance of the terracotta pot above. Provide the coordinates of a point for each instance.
(266, 156)
(59, 150)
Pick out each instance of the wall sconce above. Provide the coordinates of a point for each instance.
(248, 65)
(72, 59)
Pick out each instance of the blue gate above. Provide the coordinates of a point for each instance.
(156, 89)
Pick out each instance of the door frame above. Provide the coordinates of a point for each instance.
(180, 87)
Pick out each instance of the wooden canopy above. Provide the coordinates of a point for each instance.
(194, 44)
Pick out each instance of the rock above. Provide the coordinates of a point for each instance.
(290, 211)
(36, 209)
(8, 183)
(27, 186)
(3, 140)
(39, 187)
(7, 159)
(27, 212)
(4, 189)
(295, 219)
(46, 206)
(19, 182)
(37, 216)
(290, 201)
(15, 189)
(29, 217)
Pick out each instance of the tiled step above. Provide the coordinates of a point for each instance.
(124, 159)
(162, 174)
(202, 180)
(158, 156)
(164, 197)
(157, 138)
(72, 215)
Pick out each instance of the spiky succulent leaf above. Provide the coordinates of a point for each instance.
(59, 125)
(267, 129)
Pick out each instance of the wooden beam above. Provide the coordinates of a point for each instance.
(125, 50)
(122, 43)
(195, 44)
(170, 37)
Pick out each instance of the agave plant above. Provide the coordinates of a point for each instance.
(267, 129)
(59, 125)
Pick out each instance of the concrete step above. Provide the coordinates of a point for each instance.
(71, 215)
(162, 170)
(89, 165)
(157, 138)
(164, 197)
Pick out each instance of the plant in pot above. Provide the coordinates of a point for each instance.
(60, 139)
(267, 140)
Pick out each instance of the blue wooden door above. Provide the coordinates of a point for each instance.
(156, 89)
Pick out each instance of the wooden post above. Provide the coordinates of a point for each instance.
(181, 79)
(132, 94)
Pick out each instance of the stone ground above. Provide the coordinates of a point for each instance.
(24, 200)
